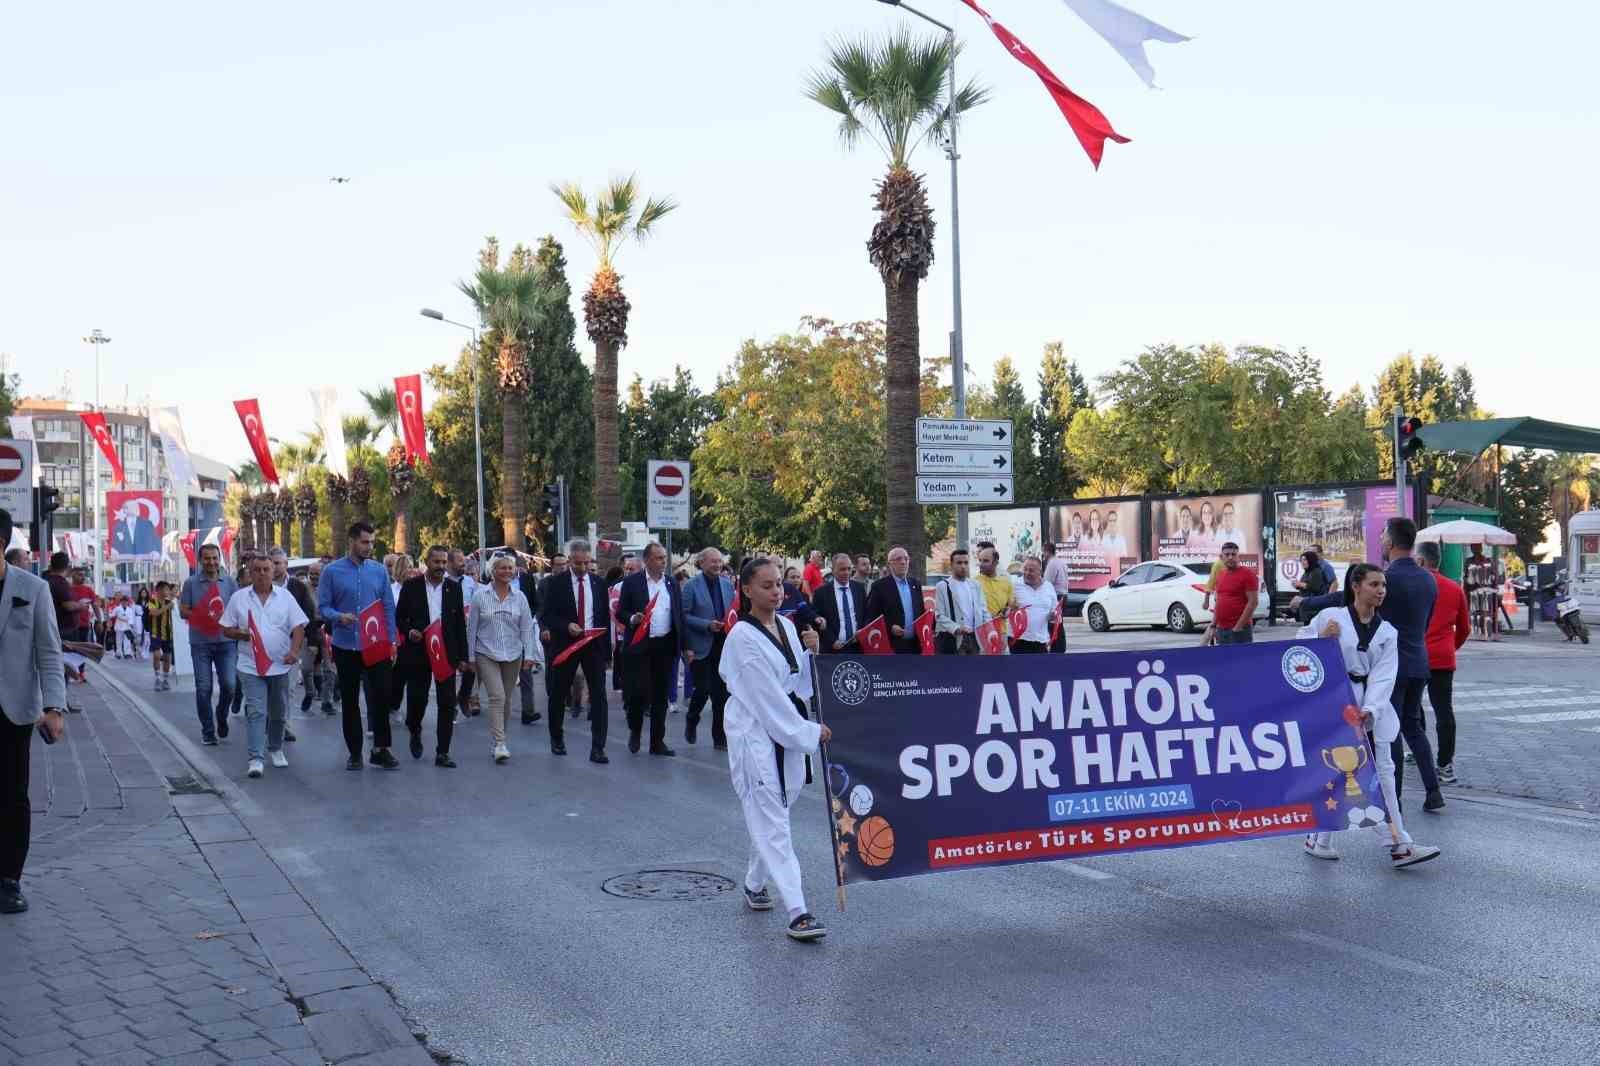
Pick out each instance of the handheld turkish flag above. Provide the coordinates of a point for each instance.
(1092, 127)
(1055, 624)
(259, 647)
(613, 597)
(438, 658)
(96, 424)
(644, 620)
(250, 418)
(186, 542)
(991, 637)
(205, 617)
(924, 628)
(874, 637)
(373, 626)
(732, 616)
(1018, 620)
(408, 401)
(576, 646)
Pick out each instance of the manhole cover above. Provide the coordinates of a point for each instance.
(667, 885)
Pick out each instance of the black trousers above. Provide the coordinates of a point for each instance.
(708, 685)
(415, 678)
(648, 671)
(954, 644)
(353, 674)
(1029, 647)
(1441, 693)
(592, 662)
(16, 816)
(1407, 702)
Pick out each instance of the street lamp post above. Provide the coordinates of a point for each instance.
(477, 420)
(97, 339)
(958, 374)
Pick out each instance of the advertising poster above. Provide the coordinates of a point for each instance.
(135, 521)
(1098, 538)
(1346, 522)
(944, 763)
(1194, 528)
(1014, 531)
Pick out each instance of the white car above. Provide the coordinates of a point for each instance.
(1168, 594)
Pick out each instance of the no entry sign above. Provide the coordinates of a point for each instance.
(16, 479)
(667, 494)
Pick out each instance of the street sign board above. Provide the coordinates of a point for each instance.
(667, 494)
(964, 460)
(16, 480)
(961, 488)
(964, 432)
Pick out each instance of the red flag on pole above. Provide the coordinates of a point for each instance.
(874, 637)
(991, 637)
(96, 423)
(576, 646)
(732, 616)
(644, 620)
(373, 626)
(205, 617)
(408, 403)
(924, 628)
(1091, 126)
(250, 417)
(438, 658)
(259, 647)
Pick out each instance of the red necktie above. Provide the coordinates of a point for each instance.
(583, 616)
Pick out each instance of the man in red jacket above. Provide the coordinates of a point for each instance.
(1448, 629)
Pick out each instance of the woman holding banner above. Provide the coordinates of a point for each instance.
(1371, 650)
(766, 665)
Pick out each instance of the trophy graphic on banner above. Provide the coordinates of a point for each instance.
(1347, 759)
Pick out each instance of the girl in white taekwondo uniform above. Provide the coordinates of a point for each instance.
(1372, 658)
(766, 665)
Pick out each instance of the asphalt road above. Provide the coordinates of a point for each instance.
(475, 894)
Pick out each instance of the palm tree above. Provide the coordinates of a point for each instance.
(607, 224)
(359, 433)
(249, 475)
(361, 494)
(1572, 488)
(247, 519)
(285, 513)
(338, 497)
(402, 479)
(383, 410)
(265, 509)
(893, 93)
(305, 508)
(512, 303)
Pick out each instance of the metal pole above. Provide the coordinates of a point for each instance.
(90, 501)
(477, 434)
(958, 370)
(1399, 465)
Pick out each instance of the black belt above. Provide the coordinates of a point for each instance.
(1360, 679)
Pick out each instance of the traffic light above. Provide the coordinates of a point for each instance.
(49, 501)
(551, 508)
(1408, 438)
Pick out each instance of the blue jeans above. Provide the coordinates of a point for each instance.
(1235, 636)
(266, 709)
(222, 656)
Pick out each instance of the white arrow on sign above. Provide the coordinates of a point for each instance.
(966, 460)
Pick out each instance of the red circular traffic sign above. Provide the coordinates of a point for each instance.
(669, 480)
(11, 464)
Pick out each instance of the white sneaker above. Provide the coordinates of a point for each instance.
(1320, 851)
(1411, 854)
(501, 753)
(279, 759)
(255, 768)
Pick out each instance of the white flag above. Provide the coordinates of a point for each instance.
(22, 429)
(325, 401)
(175, 447)
(1126, 31)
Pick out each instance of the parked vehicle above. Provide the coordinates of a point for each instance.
(1170, 594)
(1564, 609)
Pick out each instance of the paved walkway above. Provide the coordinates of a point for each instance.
(161, 932)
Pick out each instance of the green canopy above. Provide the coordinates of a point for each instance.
(1475, 437)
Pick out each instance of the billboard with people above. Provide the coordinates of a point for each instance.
(1099, 538)
(135, 523)
(1014, 531)
(1344, 521)
(1194, 528)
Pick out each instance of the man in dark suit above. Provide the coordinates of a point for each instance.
(430, 598)
(134, 534)
(706, 601)
(1408, 606)
(897, 597)
(528, 582)
(839, 604)
(650, 646)
(572, 603)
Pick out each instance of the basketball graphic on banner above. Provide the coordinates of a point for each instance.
(875, 841)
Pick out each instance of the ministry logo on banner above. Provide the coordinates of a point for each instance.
(1302, 669)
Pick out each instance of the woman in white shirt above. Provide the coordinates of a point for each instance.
(501, 644)
(1371, 650)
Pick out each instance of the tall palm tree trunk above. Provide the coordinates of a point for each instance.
(903, 375)
(338, 522)
(402, 524)
(607, 489)
(513, 458)
(308, 544)
(247, 525)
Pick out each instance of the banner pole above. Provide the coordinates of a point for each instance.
(827, 791)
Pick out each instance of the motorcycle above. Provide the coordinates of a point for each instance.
(1564, 609)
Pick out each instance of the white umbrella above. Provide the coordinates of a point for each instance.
(1466, 531)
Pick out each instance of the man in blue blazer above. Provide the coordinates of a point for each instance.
(706, 600)
(650, 646)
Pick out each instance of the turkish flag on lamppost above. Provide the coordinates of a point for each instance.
(373, 626)
(438, 658)
(408, 404)
(250, 418)
(95, 422)
(874, 637)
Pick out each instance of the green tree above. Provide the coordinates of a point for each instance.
(614, 218)
(382, 409)
(892, 91)
(1006, 398)
(1423, 389)
(1062, 393)
(666, 422)
(1525, 499)
(10, 391)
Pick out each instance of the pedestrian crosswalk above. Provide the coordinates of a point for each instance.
(1550, 716)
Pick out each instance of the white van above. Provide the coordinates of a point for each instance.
(1583, 564)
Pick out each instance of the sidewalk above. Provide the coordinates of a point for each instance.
(160, 931)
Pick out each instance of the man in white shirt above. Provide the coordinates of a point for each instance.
(1039, 599)
(270, 628)
(650, 609)
(958, 609)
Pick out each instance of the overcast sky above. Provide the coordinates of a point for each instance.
(1360, 178)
